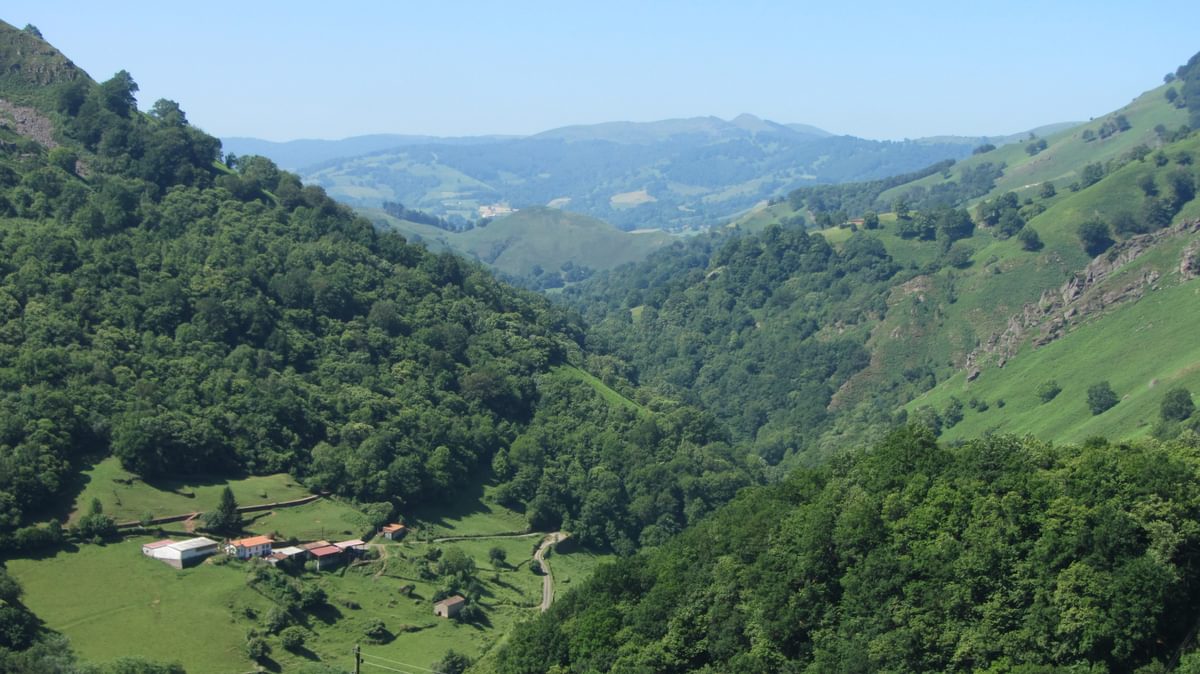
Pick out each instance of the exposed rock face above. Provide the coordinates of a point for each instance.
(1057, 309)
(28, 122)
(1189, 266)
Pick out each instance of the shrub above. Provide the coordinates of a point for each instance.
(453, 663)
(1048, 390)
(1029, 239)
(257, 648)
(377, 633)
(1095, 237)
(1177, 405)
(292, 638)
(1101, 397)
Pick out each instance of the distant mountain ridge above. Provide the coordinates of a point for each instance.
(296, 154)
(669, 174)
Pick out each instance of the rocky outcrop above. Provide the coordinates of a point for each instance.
(29, 123)
(1085, 294)
(1189, 266)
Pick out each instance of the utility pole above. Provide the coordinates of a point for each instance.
(357, 660)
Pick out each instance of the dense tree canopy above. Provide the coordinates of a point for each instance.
(1000, 555)
(190, 318)
(760, 329)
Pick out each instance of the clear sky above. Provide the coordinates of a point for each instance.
(888, 70)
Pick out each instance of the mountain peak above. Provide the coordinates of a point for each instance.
(28, 62)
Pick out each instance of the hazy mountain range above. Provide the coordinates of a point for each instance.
(666, 174)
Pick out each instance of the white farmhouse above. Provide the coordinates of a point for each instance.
(245, 548)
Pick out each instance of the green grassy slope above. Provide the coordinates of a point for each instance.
(612, 397)
(113, 602)
(1143, 349)
(936, 319)
(544, 237)
(1067, 152)
(1138, 344)
(126, 497)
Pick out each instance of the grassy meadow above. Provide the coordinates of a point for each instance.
(127, 497)
(111, 601)
(1155, 351)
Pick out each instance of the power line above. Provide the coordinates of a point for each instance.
(393, 669)
(406, 664)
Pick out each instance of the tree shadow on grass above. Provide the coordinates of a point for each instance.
(42, 553)
(269, 664)
(466, 501)
(305, 653)
(480, 622)
(186, 485)
(326, 613)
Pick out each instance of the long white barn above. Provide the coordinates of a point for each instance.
(180, 553)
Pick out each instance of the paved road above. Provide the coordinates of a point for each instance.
(547, 577)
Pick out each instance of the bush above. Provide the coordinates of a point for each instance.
(453, 663)
(1095, 237)
(257, 648)
(1048, 390)
(292, 638)
(377, 633)
(1029, 239)
(1101, 397)
(1177, 405)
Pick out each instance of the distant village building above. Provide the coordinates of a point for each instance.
(353, 547)
(496, 210)
(327, 557)
(450, 606)
(289, 555)
(309, 547)
(246, 548)
(179, 554)
(393, 532)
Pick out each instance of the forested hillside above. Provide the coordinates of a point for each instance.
(1002, 555)
(187, 316)
(761, 329)
(958, 291)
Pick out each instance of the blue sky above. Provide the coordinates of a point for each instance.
(886, 70)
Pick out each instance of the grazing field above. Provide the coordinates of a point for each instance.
(572, 565)
(323, 519)
(111, 602)
(1160, 352)
(537, 237)
(127, 497)
(473, 513)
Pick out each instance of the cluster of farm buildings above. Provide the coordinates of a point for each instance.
(324, 555)
(180, 554)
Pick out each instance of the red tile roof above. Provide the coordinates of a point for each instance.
(251, 542)
(316, 544)
(326, 551)
(389, 528)
(451, 601)
(158, 544)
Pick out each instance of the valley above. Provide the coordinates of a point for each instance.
(689, 395)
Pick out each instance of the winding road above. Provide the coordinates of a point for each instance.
(539, 556)
(548, 576)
